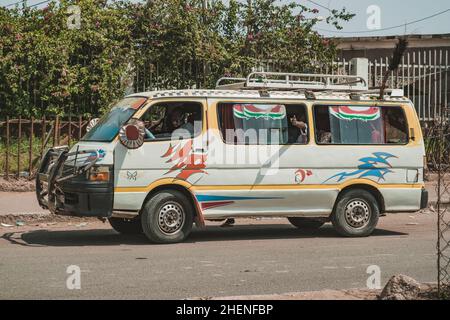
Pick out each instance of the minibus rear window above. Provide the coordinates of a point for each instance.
(109, 125)
(360, 125)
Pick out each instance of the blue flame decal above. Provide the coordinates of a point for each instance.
(369, 168)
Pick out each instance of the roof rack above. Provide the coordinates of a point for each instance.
(295, 81)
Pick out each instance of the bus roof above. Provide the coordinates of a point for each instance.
(263, 94)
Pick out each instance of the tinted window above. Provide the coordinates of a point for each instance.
(360, 125)
(254, 123)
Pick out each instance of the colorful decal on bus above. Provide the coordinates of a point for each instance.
(185, 160)
(93, 155)
(369, 168)
(356, 113)
(301, 174)
(268, 112)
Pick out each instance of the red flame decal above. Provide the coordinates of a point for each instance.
(185, 160)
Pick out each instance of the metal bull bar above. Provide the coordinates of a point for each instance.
(58, 165)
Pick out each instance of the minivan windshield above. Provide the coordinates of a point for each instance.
(109, 125)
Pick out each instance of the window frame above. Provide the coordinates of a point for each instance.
(286, 104)
(156, 102)
(408, 138)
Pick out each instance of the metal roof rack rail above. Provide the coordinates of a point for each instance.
(295, 81)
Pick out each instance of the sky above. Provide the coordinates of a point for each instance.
(391, 13)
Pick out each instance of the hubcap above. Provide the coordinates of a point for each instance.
(171, 218)
(357, 213)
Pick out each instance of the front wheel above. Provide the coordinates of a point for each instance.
(126, 226)
(167, 217)
(356, 213)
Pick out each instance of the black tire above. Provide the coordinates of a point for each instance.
(306, 223)
(171, 204)
(126, 226)
(356, 213)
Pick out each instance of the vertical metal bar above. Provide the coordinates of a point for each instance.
(80, 124)
(424, 84)
(58, 135)
(408, 75)
(402, 83)
(435, 85)
(7, 149)
(440, 83)
(44, 133)
(55, 130)
(419, 93)
(446, 80)
(30, 148)
(429, 85)
(69, 134)
(19, 142)
(414, 86)
(375, 70)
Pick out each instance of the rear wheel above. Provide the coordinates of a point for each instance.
(306, 223)
(167, 217)
(356, 213)
(126, 226)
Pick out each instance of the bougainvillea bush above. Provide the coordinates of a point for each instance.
(47, 68)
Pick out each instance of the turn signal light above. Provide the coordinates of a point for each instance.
(99, 176)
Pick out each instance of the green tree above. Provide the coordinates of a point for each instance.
(47, 68)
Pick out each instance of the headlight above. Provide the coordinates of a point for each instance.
(98, 173)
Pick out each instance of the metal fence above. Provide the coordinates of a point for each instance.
(441, 134)
(423, 75)
(23, 141)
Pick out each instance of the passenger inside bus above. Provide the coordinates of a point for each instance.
(172, 120)
(298, 128)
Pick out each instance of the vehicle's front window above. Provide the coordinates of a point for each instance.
(109, 125)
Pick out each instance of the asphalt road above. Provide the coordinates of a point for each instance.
(254, 257)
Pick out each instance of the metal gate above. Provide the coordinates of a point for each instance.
(423, 75)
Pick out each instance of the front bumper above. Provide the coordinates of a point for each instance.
(86, 199)
(63, 186)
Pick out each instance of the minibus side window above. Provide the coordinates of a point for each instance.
(263, 124)
(360, 125)
(173, 121)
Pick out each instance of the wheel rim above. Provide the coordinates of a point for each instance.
(357, 213)
(171, 218)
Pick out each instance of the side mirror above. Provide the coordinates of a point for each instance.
(92, 124)
(131, 135)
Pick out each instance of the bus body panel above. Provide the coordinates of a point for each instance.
(304, 181)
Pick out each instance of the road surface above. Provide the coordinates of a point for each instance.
(254, 257)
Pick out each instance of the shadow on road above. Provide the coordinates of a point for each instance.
(106, 237)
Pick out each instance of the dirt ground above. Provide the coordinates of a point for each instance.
(17, 185)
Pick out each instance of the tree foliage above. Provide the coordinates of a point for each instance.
(47, 68)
